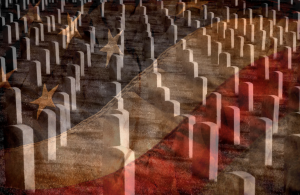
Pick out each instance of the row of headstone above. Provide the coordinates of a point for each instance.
(72, 86)
(169, 27)
(115, 66)
(63, 40)
(117, 151)
(148, 41)
(35, 11)
(246, 51)
(190, 67)
(260, 38)
(203, 145)
(60, 114)
(269, 124)
(56, 121)
(248, 186)
(243, 23)
(51, 122)
(209, 127)
(261, 135)
(160, 95)
(227, 70)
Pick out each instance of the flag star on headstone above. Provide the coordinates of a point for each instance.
(111, 46)
(71, 30)
(4, 82)
(45, 99)
(31, 15)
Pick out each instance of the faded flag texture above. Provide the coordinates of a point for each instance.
(149, 97)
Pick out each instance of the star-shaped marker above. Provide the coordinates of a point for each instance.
(71, 31)
(4, 83)
(31, 15)
(112, 46)
(45, 100)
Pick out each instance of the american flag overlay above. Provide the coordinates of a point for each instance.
(150, 97)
